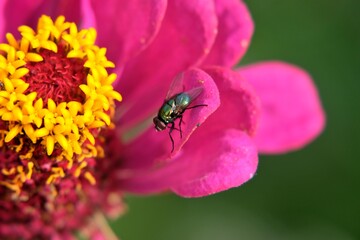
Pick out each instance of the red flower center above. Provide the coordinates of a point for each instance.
(57, 77)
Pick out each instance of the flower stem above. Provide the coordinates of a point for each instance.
(103, 225)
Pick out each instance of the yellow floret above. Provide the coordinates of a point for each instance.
(68, 126)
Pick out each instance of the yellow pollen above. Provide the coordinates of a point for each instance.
(30, 168)
(22, 174)
(10, 171)
(78, 170)
(90, 178)
(57, 173)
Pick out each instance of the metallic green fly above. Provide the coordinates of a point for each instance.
(176, 103)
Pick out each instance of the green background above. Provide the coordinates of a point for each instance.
(308, 194)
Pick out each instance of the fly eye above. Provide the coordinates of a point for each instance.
(159, 125)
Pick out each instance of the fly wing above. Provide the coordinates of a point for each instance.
(194, 93)
(176, 86)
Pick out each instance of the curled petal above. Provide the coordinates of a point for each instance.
(158, 144)
(186, 34)
(235, 29)
(240, 105)
(194, 118)
(148, 162)
(228, 160)
(127, 27)
(292, 114)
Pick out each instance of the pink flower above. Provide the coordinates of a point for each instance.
(270, 107)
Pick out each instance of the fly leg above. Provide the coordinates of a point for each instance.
(174, 128)
(171, 138)
(200, 105)
(180, 122)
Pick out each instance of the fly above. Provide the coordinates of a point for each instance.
(174, 106)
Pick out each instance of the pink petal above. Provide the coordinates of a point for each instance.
(148, 164)
(240, 105)
(2, 20)
(157, 179)
(88, 15)
(187, 32)
(127, 27)
(228, 160)
(20, 12)
(292, 112)
(235, 29)
(207, 165)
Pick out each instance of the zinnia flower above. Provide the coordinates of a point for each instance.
(70, 148)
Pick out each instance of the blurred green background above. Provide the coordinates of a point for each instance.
(308, 194)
